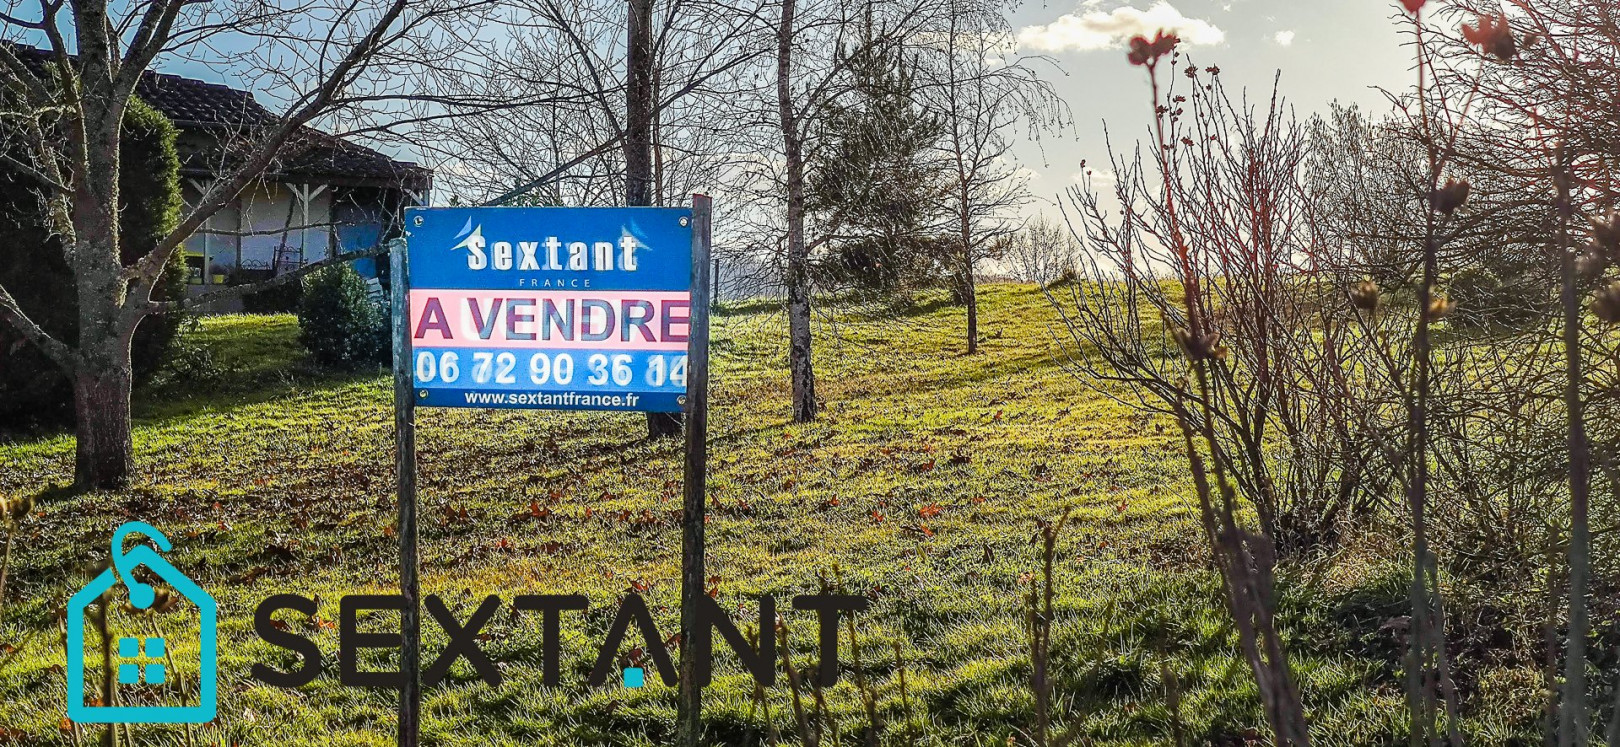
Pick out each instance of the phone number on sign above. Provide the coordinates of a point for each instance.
(638, 371)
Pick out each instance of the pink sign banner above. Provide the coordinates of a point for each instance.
(550, 319)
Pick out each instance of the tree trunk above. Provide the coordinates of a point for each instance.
(798, 301)
(102, 378)
(970, 293)
(1574, 723)
(972, 315)
(798, 256)
(964, 183)
(638, 149)
(638, 120)
(101, 408)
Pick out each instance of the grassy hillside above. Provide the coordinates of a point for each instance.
(920, 489)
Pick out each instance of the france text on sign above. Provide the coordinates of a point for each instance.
(550, 308)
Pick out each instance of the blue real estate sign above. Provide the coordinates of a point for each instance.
(550, 308)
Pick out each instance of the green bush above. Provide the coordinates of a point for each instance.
(339, 324)
(886, 269)
(33, 391)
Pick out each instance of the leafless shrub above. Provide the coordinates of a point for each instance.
(1043, 253)
(1207, 295)
(1319, 338)
(1215, 260)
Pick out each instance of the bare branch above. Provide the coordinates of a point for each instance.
(53, 348)
(147, 268)
(34, 173)
(238, 291)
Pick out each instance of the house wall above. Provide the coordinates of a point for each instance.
(253, 228)
(267, 223)
(280, 232)
(211, 252)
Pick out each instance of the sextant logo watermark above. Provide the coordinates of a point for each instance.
(142, 660)
(145, 661)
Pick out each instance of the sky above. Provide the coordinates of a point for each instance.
(1326, 50)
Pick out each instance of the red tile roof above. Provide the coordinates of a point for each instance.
(227, 114)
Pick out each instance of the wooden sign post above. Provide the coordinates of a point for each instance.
(410, 628)
(689, 722)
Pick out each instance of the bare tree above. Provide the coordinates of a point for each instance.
(338, 63)
(811, 72)
(801, 371)
(1043, 253)
(984, 91)
(638, 146)
(568, 145)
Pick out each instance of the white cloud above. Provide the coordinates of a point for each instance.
(1095, 29)
(1284, 38)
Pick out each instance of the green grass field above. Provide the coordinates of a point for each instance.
(920, 489)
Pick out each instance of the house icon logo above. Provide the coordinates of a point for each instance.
(141, 661)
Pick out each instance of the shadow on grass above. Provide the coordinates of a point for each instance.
(747, 307)
(235, 361)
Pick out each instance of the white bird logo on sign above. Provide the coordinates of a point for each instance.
(474, 240)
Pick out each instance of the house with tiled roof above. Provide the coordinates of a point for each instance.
(324, 195)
